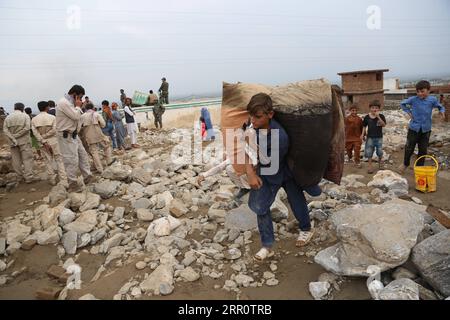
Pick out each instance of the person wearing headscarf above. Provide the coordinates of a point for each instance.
(109, 120)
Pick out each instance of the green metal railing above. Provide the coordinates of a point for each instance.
(181, 105)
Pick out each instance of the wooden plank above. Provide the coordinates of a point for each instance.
(441, 216)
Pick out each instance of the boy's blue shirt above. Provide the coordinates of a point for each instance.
(283, 142)
(421, 111)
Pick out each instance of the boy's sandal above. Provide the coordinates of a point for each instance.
(304, 238)
(263, 254)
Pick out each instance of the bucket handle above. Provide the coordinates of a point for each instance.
(428, 156)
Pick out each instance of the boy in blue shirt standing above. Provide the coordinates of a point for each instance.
(419, 109)
(267, 178)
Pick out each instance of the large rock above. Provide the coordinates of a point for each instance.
(76, 200)
(142, 176)
(432, 259)
(189, 274)
(115, 253)
(401, 289)
(177, 208)
(57, 194)
(84, 223)
(163, 275)
(144, 215)
(92, 202)
(319, 290)
(390, 181)
(16, 232)
(69, 242)
(49, 218)
(112, 242)
(142, 203)
(163, 226)
(117, 172)
(2, 246)
(79, 227)
(106, 189)
(241, 218)
(278, 210)
(381, 235)
(66, 216)
(89, 216)
(164, 199)
(48, 236)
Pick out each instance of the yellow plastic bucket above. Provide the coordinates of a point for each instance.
(426, 175)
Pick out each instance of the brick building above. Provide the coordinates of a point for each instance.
(362, 87)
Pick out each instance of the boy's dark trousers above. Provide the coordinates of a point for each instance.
(421, 139)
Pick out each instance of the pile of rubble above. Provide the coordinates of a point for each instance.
(178, 231)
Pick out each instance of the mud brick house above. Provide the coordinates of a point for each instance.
(362, 87)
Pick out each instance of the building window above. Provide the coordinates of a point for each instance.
(355, 75)
(350, 99)
(379, 76)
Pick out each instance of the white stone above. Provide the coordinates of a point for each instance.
(144, 215)
(112, 242)
(389, 231)
(141, 265)
(106, 189)
(319, 290)
(390, 180)
(272, 282)
(401, 289)
(118, 213)
(163, 274)
(88, 296)
(16, 232)
(49, 236)
(66, 216)
(115, 253)
(243, 280)
(92, 202)
(177, 208)
(164, 226)
(2, 246)
(2, 266)
(189, 274)
(69, 241)
(84, 240)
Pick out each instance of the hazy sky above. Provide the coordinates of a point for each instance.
(197, 44)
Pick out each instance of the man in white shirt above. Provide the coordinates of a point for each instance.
(131, 122)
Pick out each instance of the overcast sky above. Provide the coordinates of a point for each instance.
(197, 44)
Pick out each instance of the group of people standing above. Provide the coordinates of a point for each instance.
(67, 137)
(152, 101)
(418, 109)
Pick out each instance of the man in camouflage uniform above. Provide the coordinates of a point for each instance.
(164, 91)
(158, 111)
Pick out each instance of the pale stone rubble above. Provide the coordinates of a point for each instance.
(174, 231)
